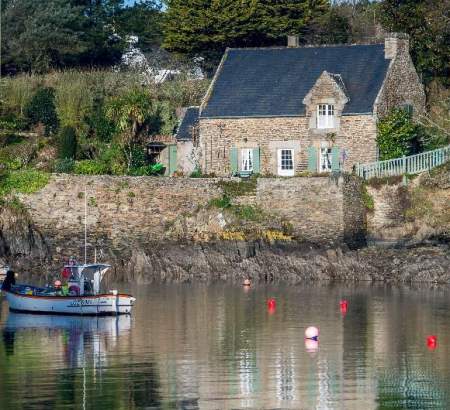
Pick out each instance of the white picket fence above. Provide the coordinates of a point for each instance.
(413, 164)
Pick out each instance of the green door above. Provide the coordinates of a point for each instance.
(172, 159)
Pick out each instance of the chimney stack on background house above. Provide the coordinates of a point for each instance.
(395, 43)
(293, 41)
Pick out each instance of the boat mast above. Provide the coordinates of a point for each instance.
(85, 225)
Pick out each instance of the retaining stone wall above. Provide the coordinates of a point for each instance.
(128, 211)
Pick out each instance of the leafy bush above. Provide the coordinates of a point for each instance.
(9, 138)
(197, 173)
(222, 203)
(16, 156)
(41, 109)
(24, 181)
(99, 126)
(114, 157)
(367, 199)
(398, 135)
(12, 121)
(67, 143)
(154, 169)
(64, 166)
(91, 167)
(239, 188)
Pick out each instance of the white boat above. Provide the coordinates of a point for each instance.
(83, 298)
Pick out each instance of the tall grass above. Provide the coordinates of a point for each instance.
(76, 90)
(15, 92)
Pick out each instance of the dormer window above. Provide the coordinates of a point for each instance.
(325, 116)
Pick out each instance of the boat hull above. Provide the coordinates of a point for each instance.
(104, 304)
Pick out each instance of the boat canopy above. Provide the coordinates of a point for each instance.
(92, 273)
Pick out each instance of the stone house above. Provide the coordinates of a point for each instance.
(281, 111)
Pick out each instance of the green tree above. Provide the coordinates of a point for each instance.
(398, 135)
(143, 20)
(428, 24)
(205, 28)
(41, 110)
(67, 143)
(103, 45)
(38, 35)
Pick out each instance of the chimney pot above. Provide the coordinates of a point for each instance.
(293, 41)
(395, 43)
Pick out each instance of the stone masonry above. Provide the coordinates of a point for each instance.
(356, 134)
(402, 85)
(126, 211)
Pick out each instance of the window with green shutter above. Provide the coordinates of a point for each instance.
(312, 159)
(256, 160)
(234, 165)
(335, 159)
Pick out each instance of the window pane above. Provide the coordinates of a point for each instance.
(286, 159)
(325, 159)
(247, 159)
(325, 116)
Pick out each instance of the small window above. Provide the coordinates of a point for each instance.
(325, 159)
(247, 160)
(408, 108)
(325, 116)
(286, 162)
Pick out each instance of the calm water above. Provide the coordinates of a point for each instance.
(218, 347)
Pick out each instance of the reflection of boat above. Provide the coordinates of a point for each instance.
(107, 325)
(80, 336)
(83, 295)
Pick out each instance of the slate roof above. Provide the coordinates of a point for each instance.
(273, 81)
(189, 120)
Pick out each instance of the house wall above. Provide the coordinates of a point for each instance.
(186, 157)
(356, 134)
(402, 84)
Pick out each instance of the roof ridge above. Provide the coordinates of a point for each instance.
(303, 47)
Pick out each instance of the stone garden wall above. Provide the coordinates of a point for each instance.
(123, 211)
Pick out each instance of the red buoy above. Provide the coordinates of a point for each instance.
(271, 304)
(343, 304)
(432, 342)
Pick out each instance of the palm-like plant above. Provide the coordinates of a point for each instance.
(132, 113)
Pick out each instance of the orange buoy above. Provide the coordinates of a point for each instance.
(271, 303)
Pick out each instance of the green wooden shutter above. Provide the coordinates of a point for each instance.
(312, 159)
(234, 161)
(172, 159)
(256, 160)
(335, 164)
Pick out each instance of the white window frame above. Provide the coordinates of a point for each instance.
(325, 116)
(325, 158)
(247, 159)
(286, 172)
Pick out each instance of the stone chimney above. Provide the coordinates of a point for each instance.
(395, 43)
(293, 41)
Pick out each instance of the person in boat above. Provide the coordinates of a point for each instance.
(9, 281)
